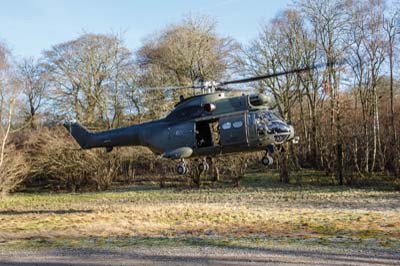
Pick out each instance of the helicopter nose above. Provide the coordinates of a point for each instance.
(291, 132)
(279, 127)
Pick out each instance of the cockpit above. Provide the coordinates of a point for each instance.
(269, 124)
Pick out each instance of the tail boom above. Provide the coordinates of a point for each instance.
(126, 136)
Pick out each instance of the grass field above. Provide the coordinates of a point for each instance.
(262, 213)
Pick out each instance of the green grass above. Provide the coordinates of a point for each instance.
(262, 213)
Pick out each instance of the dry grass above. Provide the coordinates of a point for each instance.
(329, 216)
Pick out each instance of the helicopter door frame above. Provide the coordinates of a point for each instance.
(233, 130)
(207, 133)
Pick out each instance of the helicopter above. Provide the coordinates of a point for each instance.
(204, 125)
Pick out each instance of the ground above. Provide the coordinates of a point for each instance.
(263, 222)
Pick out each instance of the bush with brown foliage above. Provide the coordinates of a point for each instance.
(13, 169)
(234, 166)
(231, 168)
(58, 163)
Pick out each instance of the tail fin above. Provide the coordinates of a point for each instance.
(80, 133)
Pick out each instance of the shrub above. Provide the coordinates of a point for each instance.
(13, 168)
(58, 163)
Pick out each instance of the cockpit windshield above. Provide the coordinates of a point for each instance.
(272, 116)
(268, 122)
(267, 115)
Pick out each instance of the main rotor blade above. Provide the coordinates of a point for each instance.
(272, 75)
(168, 88)
(218, 85)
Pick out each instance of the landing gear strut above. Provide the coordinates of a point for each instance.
(181, 168)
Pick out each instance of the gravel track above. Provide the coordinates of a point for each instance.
(195, 256)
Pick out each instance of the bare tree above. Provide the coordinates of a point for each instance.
(87, 77)
(34, 82)
(328, 19)
(368, 46)
(280, 47)
(12, 165)
(392, 30)
(184, 53)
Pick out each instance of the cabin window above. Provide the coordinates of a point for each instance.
(237, 124)
(226, 125)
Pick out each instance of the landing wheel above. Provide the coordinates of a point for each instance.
(267, 160)
(182, 168)
(203, 166)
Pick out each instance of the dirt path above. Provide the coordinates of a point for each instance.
(195, 256)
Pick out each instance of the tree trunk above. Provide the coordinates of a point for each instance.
(396, 167)
(283, 165)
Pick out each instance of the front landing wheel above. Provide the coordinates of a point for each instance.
(267, 160)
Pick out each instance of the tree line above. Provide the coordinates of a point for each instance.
(346, 112)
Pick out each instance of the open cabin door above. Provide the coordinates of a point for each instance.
(207, 133)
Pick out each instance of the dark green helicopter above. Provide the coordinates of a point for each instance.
(204, 125)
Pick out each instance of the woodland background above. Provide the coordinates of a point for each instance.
(347, 115)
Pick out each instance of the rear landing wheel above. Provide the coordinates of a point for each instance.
(203, 166)
(182, 168)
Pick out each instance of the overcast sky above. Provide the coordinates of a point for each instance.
(30, 26)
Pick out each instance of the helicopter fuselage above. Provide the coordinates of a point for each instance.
(204, 125)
